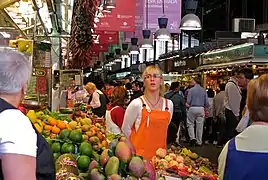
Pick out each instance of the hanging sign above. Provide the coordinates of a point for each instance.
(99, 48)
(122, 17)
(107, 37)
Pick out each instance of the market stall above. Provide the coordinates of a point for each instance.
(218, 65)
(83, 149)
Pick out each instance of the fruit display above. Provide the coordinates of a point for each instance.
(181, 162)
(119, 162)
(46, 123)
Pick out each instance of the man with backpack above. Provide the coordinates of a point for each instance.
(179, 113)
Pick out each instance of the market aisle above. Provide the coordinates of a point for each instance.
(208, 151)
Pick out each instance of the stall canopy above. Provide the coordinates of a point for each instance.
(240, 55)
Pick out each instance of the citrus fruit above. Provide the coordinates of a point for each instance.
(76, 136)
(49, 141)
(83, 162)
(56, 155)
(67, 148)
(56, 147)
(85, 149)
(64, 134)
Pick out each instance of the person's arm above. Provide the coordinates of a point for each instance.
(189, 98)
(206, 100)
(170, 108)
(25, 167)
(18, 146)
(222, 161)
(95, 102)
(233, 93)
(131, 115)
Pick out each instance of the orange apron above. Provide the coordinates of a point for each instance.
(149, 138)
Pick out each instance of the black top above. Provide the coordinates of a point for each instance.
(100, 111)
(45, 166)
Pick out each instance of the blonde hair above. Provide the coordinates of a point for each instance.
(157, 70)
(90, 86)
(257, 98)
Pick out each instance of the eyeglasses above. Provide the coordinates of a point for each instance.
(149, 76)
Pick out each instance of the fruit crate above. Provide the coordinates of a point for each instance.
(101, 121)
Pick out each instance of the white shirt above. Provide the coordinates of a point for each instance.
(17, 135)
(133, 115)
(95, 102)
(252, 139)
(232, 97)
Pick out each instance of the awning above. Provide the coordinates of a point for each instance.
(244, 62)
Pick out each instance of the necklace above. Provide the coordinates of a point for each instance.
(151, 102)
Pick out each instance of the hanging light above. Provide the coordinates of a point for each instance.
(110, 4)
(134, 49)
(147, 42)
(190, 22)
(162, 33)
(98, 66)
(117, 57)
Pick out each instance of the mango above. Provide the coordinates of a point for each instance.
(85, 128)
(136, 166)
(93, 164)
(96, 175)
(131, 178)
(115, 177)
(123, 152)
(73, 125)
(112, 166)
(104, 158)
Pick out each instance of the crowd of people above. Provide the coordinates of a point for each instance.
(150, 116)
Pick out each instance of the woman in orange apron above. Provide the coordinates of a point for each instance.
(147, 117)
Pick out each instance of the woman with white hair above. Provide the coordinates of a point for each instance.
(24, 153)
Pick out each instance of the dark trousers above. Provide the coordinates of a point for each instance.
(211, 130)
(174, 127)
(230, 126)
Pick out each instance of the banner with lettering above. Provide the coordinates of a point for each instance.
(122, 18)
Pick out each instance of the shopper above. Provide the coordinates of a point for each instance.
(232, 104)
(24, 153)
(219, 118)
(197, 101)
(130, 93)
(97, 100)
(248, 73)
(179, 110)
(245, 157)
(208, 136)
(137, 92)
(147, 117)
(114, 117)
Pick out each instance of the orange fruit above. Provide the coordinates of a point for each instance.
(55, 130)
(68, 126)
(52, 136)
(61, 125)
(48, 127)
(52, 121)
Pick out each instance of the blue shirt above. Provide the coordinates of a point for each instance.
(197, 97)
